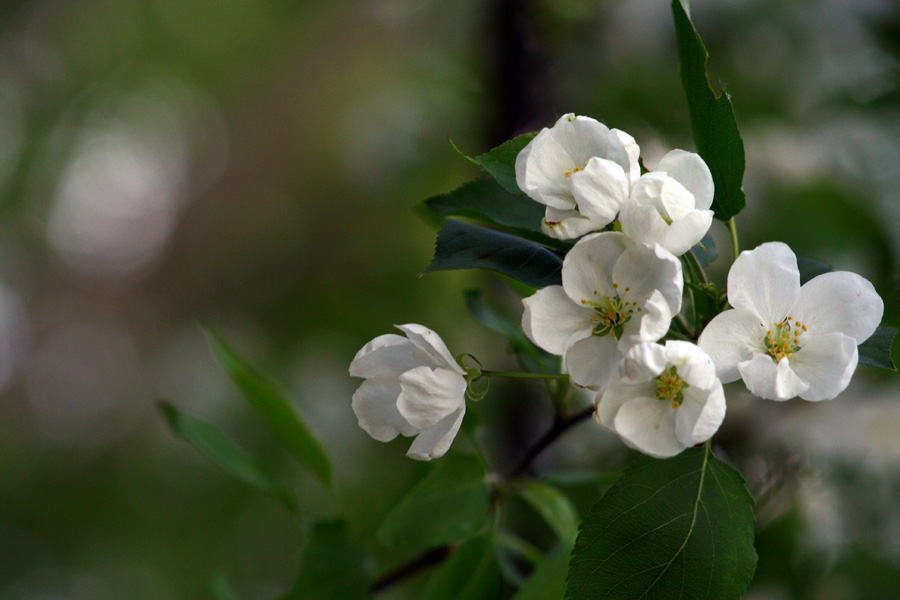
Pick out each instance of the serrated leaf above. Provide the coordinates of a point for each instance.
(485, 199)
(331, 566)
(471, 573)
(447, 506)
(548, 580)
(675, 528)
(811, 267)
(553, 506)
(876, 351)
(275, 409)
(715, 130)
(500, 162)
(215, 445)
(463, 246)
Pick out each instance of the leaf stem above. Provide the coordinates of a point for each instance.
(735, 247)
(523, 375)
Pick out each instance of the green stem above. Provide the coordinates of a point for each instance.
(695, 266)
(522, 375)
(735, 247)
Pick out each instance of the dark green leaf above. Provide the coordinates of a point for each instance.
(876, 351)
(331, 566)
(463, 246)
(811, 267)
(484, 199)
(448, 505)
(215, 446)
(274, 408)
(471, 573)
(715, 130)
(705, 251)
(553, 506)
(675, 528)
(548, 580)
(500, 162)
(708, 301)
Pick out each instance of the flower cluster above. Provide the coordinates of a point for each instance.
(611, 319)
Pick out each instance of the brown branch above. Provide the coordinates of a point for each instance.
(560, 425)
(427, 559)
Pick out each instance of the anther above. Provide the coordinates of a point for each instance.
(616, 285)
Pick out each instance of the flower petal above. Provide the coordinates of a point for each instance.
(584, 138)
(642, 223)
(389, 353)
(618, 392)
(648, 425)
(588, 266)
(648, 324)
(591, 361)
(684, 233)
(733, 337)
(694, 365)
(839, 302)
(765, 280)
(430, 342)
(642, 269)
(826, 362)
(766, 379)
(434, 442)
(700, 414)
(643, 362)
(552, 321)
(569, 224)
(634, 155)
(690, 171)
(428, 395)
(375, 406)
(600, 189)
(540, 171)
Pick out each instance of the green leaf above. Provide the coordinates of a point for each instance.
(500, 162)
(811, 267)
(484, 199)
(274, 408)
(471, 573)
(548, 580)
(876, 351)
(553, 506)
(447, 506)
(705, 252)
(675, 528)
(214, 445)
(715, 130)
(463, 246)
(331, 566)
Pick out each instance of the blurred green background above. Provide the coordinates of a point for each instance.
(254, 165)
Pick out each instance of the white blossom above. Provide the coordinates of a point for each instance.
(614, 294)
(413, 386)
(787, 340)
(582, 171)
(662, 399)
(670, 206)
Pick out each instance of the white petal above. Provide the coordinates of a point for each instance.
(648, 425)
(618, 392)
(642, 269)
(839, 302)
(826, 362)
(643, 362)
(600, 189)
(690, 171)
(428, 395)
(588, 266)
(766, 281)
(634, 154)
(733, 337)
(389, 353)
(694, 365)
(766, 379)
(552, 321)
(590, 362)
(684, 233)
(375, 406)
(700, 414)
(430, 342)
(569, 224)
(643, 223)
(677, 201)
(540, 171)
(434, 442)
(584, 138)
(649, 324)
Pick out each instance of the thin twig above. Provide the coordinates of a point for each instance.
(560, 425)
(432, 557)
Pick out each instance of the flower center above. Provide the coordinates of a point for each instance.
(612, 313)
(784, 341)
(670, 387)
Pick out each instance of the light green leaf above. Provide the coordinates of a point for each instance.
(500, 162)
(214, 445)
(274, 408)
(471, 573)
(548, 580)
(463, 246)
(331, 566)
(876, 351)
(447, 506)
(716, 133)
(553, 506)
(675, 528)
